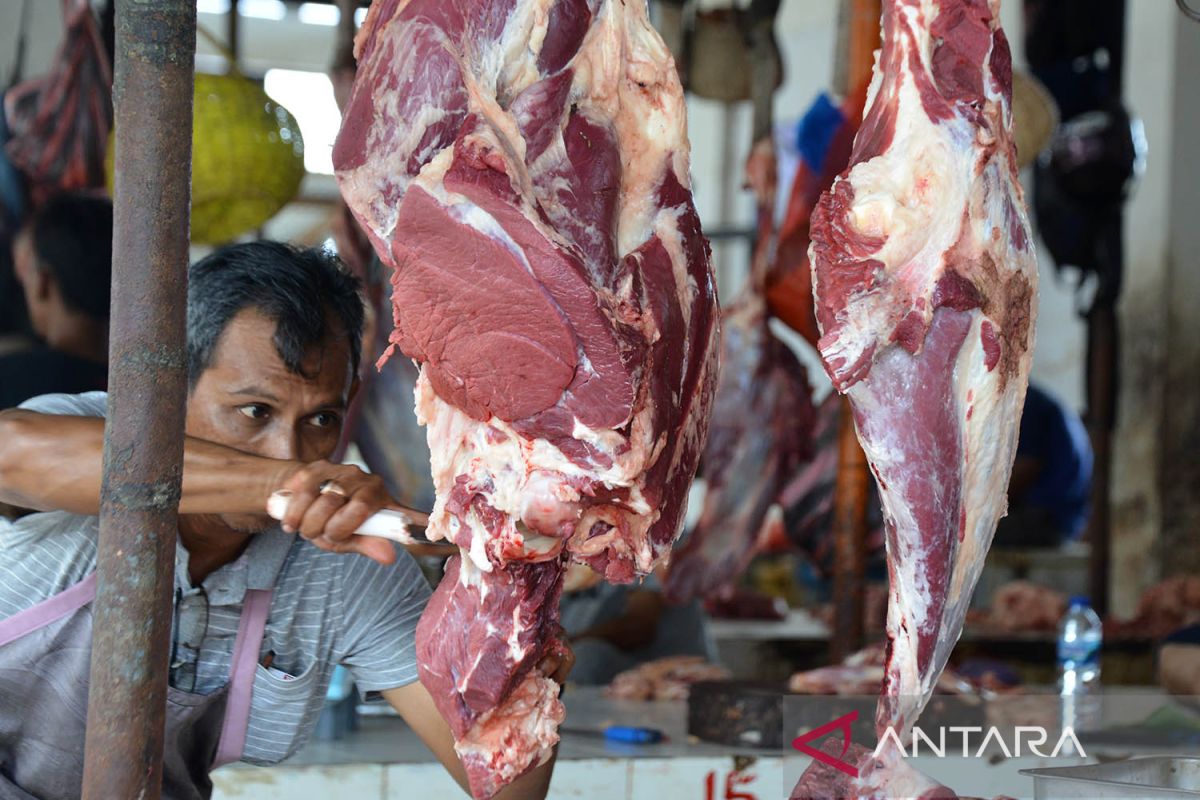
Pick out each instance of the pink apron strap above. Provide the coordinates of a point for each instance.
(241, 675)
(48, 611)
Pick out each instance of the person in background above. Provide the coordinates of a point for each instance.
(613, 628)
(1179, 663)
(62, 258)
(14, 322)
(1051, 477)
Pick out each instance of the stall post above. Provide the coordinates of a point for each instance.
(143, 438)
(858, 37)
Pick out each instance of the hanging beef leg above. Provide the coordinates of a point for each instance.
(925, 275)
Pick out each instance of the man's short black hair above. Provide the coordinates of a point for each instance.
(308, 293)
(71, 236)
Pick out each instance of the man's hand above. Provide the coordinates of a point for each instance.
(558, 663)
(329, 502)
(1179, 669)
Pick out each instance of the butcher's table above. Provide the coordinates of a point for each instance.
(384, 760)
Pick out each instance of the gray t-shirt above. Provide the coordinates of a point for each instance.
(327, 609)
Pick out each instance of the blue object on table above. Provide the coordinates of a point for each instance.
(632, 735)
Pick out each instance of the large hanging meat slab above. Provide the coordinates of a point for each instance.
(522, 165)
(760, 433)
(925, 279)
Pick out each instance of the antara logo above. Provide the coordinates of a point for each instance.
(1031, 737)
(843, 724)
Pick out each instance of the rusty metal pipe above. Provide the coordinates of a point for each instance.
(1102, 379)
(143, 439)
(858, 37)
(853, 483)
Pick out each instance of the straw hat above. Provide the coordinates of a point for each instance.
(1035, 116)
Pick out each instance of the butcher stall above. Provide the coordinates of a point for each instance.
(834, 359)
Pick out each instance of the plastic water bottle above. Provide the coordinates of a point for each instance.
(1079, 637)
(1080, 634)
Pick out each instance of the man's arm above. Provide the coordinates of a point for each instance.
(54, 462)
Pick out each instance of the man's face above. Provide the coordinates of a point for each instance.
(249, 400)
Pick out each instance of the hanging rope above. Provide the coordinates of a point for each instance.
(219, 46)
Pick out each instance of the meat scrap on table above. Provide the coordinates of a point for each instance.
(924, 276)
(862, 673)
(1165, 607)
(665, 678)
(522, 166)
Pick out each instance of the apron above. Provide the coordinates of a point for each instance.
(45, 655)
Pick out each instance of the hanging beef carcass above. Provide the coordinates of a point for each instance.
(924, 276)
(522, 165)
(761, 432)
(763, 417)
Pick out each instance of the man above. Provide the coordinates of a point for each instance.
(613, 628)
(63, 260)
(273, 347)
(1179, 663)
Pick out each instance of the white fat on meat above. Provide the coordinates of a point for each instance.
(937, 201)
(527, 479)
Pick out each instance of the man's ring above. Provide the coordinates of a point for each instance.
(331, 487)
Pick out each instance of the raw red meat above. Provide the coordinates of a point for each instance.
(1025, 606)
(664, 678)
(760, 434)
(522, 165)
(499, 706)
(861, 673)
(882, 777)
(1164, 608)
(807, 500)
(746, 462)
(743, 602)
(924, 276)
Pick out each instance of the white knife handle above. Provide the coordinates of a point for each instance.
(385, 524)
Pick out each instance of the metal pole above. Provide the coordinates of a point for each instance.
(343, 54)
(858, 37)
(234, 35)
(143, 442)
(1102, 354)
(850, 537)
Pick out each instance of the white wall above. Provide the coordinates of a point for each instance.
(1153, 67)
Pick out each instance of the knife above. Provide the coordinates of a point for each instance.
(385, 524)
